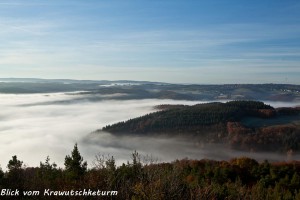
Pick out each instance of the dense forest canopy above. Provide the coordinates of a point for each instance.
(189, 116)
(243, 125)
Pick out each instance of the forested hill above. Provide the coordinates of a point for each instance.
(244, 125)
(179, 118)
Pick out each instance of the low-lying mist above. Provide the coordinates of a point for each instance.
(34, 126)
(166, 149)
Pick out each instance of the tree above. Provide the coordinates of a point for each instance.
(15, 173)
(1, 176)
(14, 164)
(75, 167)
(48, 171)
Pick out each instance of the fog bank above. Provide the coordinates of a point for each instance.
(34, 126)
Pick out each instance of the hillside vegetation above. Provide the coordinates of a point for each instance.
(246, 125)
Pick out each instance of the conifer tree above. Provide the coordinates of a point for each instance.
(74, 164)
(14, 164)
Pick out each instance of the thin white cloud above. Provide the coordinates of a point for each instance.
(26, 27)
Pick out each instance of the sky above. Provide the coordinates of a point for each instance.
(175, 41)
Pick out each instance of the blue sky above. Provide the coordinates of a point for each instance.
(177, 41)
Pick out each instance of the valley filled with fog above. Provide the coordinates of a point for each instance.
(34, 126)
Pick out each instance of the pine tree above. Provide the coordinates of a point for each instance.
(15, 173)
(75, 167)
(14, 164)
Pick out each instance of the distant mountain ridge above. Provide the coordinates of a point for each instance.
(40, 80)
(154, 90)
